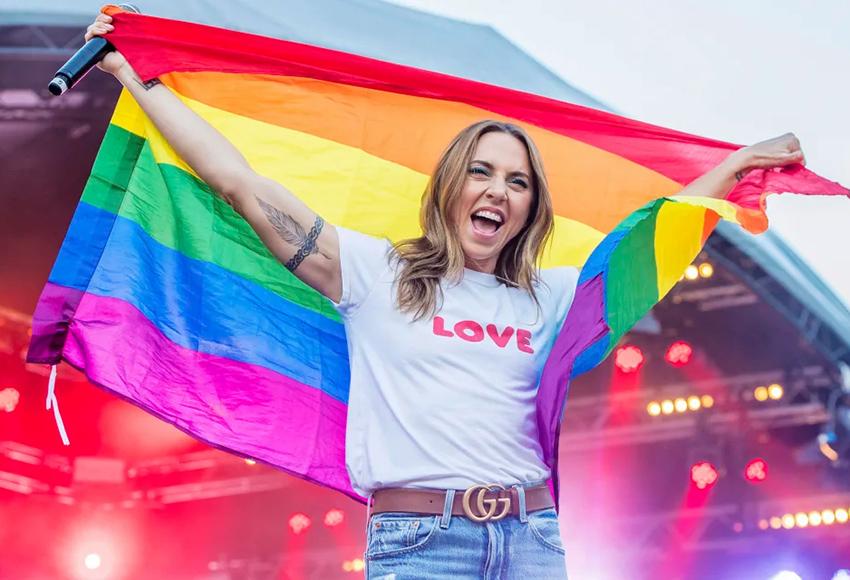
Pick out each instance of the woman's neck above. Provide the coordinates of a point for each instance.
(487, 266)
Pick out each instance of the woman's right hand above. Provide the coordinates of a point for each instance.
(114, 61)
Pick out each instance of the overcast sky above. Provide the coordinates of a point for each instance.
(741, 71)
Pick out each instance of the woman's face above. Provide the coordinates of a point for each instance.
(495, 201)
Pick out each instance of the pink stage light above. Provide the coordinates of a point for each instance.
(756, 471)
(299, 523)
(9, 399)
(704, 475)
(629, 358)
(334, 518)
(679, 353)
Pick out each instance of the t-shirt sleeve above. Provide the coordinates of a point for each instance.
(362, 260)
(561, 283)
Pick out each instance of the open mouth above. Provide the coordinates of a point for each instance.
(487, 222)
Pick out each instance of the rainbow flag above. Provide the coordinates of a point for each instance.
(163, 295)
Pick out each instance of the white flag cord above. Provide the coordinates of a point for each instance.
(54, 403)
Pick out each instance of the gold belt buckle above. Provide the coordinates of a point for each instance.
(484, 509)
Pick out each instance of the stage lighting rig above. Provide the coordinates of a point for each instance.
(834, 439)
(629, 358)
(756, 470)
(9, 398)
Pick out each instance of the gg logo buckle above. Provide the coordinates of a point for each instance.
(485, 508)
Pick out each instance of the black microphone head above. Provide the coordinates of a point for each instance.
(57, 86)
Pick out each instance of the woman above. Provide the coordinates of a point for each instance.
(447, 334)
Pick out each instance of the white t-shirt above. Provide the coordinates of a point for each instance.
(447, 402)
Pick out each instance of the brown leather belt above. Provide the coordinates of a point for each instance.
(479, 503)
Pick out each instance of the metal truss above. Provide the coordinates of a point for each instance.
(814, 330)
(38, 41)
(594, 422)
(721, 527)
(205, 474)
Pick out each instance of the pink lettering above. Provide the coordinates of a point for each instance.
(440, 327)
(472, 331)
(502, 339)
(469, 330)
(523, 341)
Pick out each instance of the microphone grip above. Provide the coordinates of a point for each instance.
(79, 65)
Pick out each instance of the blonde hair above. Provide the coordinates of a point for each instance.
(438, 254)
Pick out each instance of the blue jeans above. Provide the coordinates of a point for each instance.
(403, 546)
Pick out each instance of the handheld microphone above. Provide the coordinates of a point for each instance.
(91, 53)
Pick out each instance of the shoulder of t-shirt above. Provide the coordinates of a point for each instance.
(363, 261)
(359, 241)
(557, 289)
(559, 279)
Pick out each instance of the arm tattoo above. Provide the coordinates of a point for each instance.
(150, 84)
(291, 232)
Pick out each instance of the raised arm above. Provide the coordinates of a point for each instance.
(718, 182)
(298, 237)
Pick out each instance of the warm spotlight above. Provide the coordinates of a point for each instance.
(775, 391)
(679, 353)
(813, 518)
(694, 403)
(775, 522)
(756, 471)
(706, 270)
(788, 521)
(703, 475)
(677, 405)
(707, 401)
(691, 272)
(828, 517)
(760, 394)
(629, 358)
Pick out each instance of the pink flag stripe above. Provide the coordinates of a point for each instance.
(212, 398)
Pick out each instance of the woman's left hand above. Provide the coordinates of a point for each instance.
(776, 152)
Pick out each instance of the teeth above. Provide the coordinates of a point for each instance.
(490, 215)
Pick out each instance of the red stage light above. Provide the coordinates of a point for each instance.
(334, 517)
(9, 399)
(299, 522)
(629, 358)
(756, 471)
(679, 353)
(704, 475)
